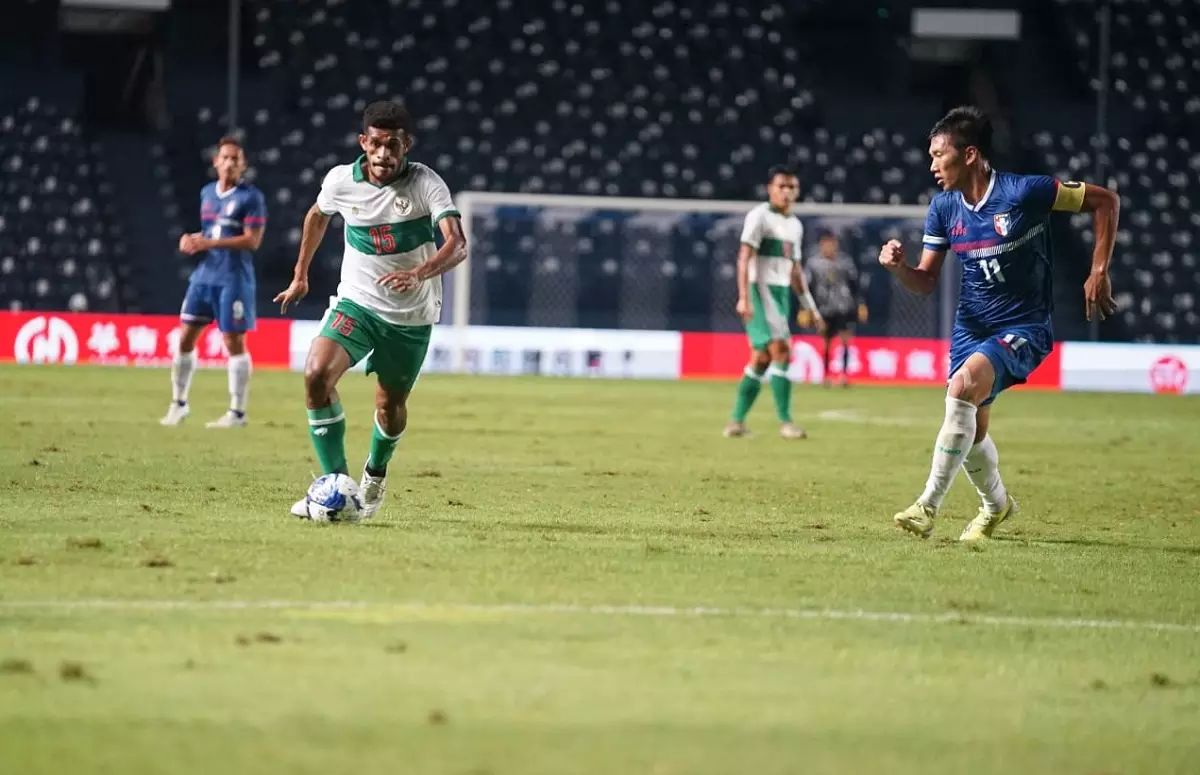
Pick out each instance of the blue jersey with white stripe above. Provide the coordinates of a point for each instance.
(224, 214)
(1003, 244)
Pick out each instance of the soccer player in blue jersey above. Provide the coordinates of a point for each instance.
(997, 224)
(233, 218)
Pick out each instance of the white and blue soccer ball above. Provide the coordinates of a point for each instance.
(333, 498)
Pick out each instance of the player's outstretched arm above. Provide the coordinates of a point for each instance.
(1097, 290)
(315, 223)
(921, 279)
(452, 253)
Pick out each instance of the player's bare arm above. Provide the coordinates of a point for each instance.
(800, 286)
(1106, 205)
(315, 223)
(251, 239)
(452, 253)
(745, 256)
(921, 279)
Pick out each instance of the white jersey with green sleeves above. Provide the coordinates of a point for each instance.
(776, 239)
(388, 228)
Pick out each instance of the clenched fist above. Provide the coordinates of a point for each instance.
(891, 255)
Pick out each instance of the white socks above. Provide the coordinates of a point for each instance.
(240, 366)
(983, 469)
(953, 442)
(181, 376)
(239, 382)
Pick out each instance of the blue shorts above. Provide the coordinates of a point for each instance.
(1014, 352)
(231, 305)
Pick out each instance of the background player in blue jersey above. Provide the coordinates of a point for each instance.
(233, 218)
(997, 225)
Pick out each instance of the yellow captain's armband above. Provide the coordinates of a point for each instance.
(1069, 197)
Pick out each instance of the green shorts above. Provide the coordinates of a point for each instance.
(772, 306)
(395, 353)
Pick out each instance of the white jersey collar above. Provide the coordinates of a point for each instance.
(983, 199)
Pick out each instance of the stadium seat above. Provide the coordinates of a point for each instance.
(1155, 167)
(58, 249)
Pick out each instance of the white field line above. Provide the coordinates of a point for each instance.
(543, 609)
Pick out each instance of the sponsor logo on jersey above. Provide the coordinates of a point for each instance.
(959, 230)
(1003, 223)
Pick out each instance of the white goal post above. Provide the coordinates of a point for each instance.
(551, 211)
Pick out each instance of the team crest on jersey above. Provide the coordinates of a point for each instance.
(403, 205)
(229, 208)
(1003, 223)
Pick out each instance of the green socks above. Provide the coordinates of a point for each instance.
(382, 447)
(781, 389)
(327, 429)
(747, 391)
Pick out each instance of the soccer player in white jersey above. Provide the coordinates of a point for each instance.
(997, 224)
(390, 293)
(768, 268)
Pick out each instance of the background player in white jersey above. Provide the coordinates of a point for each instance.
(768, 268)
(997, 225)
(233, 219)
(390, 293)
(833, 280)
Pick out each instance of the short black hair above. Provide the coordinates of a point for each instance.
(781, 169)
(826, 234)
(387, 115)
(966, 126)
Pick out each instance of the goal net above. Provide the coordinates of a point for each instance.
(557, 261)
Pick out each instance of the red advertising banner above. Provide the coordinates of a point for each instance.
(126, 340)
(879, 360)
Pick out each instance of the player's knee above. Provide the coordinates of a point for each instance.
(965, 385)
(235, 343)
(318, 379)
(189, 338)
(761, 360)
(959, 385)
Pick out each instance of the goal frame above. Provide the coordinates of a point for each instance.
(468, 201)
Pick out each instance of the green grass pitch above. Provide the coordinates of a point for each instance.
(577, 576)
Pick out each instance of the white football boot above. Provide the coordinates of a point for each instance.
(371, 490)
(227, 420)
(985, 522)
(735, 430)
(300, 508)
(176, 414)
(790, 430)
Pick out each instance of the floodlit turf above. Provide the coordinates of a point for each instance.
(527, 600)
